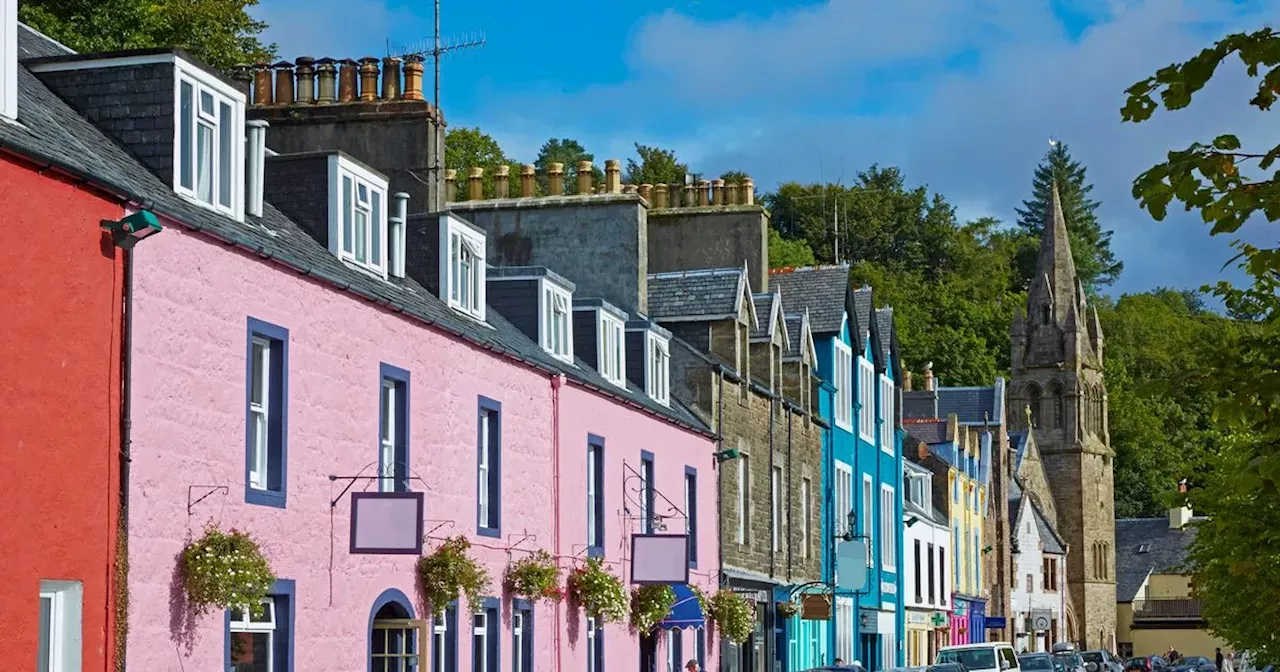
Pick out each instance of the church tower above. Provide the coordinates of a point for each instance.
(1058, 389)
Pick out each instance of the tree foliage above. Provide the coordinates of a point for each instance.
(1096, 265)
(655, 166)
(465, 148)
(568, 152)
(1235, 560)
(219, 32)
(787, 253)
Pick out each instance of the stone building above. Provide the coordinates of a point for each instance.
(1038, 598)
(1057, 376)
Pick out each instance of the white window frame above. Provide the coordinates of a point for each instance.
(843, 363)
(843, 496)
(592, 645)
(66, 624)
(844, 629)
(866, 397)
(887, 411)
(657, 368)
(517, 641)
(744, 496)
(246, 624)
(455, 235)
(612, 349)
(481, 631)
(868, 514)
(439, 642)
(260, 413)
(805, 489)
(555, 302)
(888, 528)
(483, 465)
(344, 172)
(221, 94)
(592, 497)
(387, 437)
(775, 507)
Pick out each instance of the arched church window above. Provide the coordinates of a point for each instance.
(1033, 402)
(1057, 410)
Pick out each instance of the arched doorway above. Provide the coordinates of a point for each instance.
(396, 639)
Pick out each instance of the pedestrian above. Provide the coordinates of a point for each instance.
(1229, 663)
(692, 666)
(839, 662)
(1217, 659)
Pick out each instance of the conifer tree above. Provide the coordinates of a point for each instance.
(1096, 264)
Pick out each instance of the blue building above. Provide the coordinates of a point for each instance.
(858, 357)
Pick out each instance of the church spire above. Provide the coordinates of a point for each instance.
(1055, 289)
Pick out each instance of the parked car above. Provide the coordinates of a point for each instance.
(1101, 660)
(946, 667)
(1072, 661)
(1194, 664)
(1147, 664)
(1036, 662)
(985, 657)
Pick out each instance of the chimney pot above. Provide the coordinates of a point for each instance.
(645, 190)
(928, 380)
(922, 451)
(326, 81)
(690, 197)
(368, 79)
(906, 381)
(242, 76)
(704, 192)
(450, 182)
(584, 178)
(659, 196)
(628, 188)
(502, 181)
(347, 81)
(731, 194)
(612, 176)
(717, 191)
(257, 154)
(748, 191)
(390, 78)
(262, 85)
(284, 83)
(413, 78)
(475, 184)
(306, 76)
(555, 179)
(528, 179)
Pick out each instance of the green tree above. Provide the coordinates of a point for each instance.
(1096, 264)
(465, 148)
(733, 176)
(568, 152)
(1235, 560)
(219, 32)
(787, 253)
(655, 166)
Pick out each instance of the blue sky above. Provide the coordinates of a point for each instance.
(963, 95)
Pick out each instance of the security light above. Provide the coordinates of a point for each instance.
(727, 454)
(126, 232)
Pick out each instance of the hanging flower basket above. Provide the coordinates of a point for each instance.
(225, 570)
(450, 573)
(649, 605)
(535, 577)
(600, 593)
(787, 609)
(733, 616)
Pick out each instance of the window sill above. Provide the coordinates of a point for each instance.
(491, 532)
(846, 426)
(867, 439)
(275, 499)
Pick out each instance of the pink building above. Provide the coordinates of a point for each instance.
(286, 356)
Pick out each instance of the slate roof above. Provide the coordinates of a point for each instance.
(931, 432)
(821, 289)
(764, 314)
(862, 310)
(1167, 552)
(1052, 542)
(795, 328)
(711, 294)
(53, 132)
(884, 330)
(973, 405)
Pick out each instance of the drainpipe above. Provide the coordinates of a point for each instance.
(789, 480)
(773, 556)
(720, 448)
(125, 456)
(556, 382)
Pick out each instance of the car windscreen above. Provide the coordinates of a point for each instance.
(971, 659)
(1035, 663)
(1092, 657)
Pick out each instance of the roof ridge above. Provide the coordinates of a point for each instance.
(695, 273)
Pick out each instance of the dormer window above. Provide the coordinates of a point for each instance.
(358, 214)
(208, 155)
(556, 331)
(657, 369)
(463, 282)
(612, 350)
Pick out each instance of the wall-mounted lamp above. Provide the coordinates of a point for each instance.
(912, 521)
(987, 550)
(851, 523)
(126, 232)
(727, 454)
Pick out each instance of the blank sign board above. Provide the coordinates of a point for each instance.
(659, 558)
(851, 564)
(386, 523)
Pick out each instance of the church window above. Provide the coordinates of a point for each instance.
(1045, 313)
(1033, 401)
(1057, 410)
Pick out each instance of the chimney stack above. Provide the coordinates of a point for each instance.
(326, 81)
(612, 176)
(256, 159)
(528, 176)
(396, 256)
(475, 184)
(284, 83)
(1180, 516)
(306, 76)
(502, 182)
(555, 179)
(584, 178)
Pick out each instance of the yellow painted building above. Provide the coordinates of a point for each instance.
(968, 504)
(1154, 607)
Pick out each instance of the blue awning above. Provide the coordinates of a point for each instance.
(686, 612)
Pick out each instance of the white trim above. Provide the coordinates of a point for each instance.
(108, 62)
(550, 294)
(260, 459)
(842, 362)
(842, 496)
(775, 507)
(657, 383)
(222, 94)
(806, 490)
(387, 435)
(439, 640)
(481, 631)
(608, 322)
(66, 623)
(888, 526)
(9, 59)
(868, 515)
(341, 167)
(865, 384)
(887, 414)
(744, 496)
(475, 241)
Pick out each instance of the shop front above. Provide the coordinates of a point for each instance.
(959, 620)
(919, 637)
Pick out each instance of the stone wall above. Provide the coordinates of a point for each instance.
(723, 236)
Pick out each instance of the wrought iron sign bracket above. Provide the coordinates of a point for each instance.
(210, 490)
